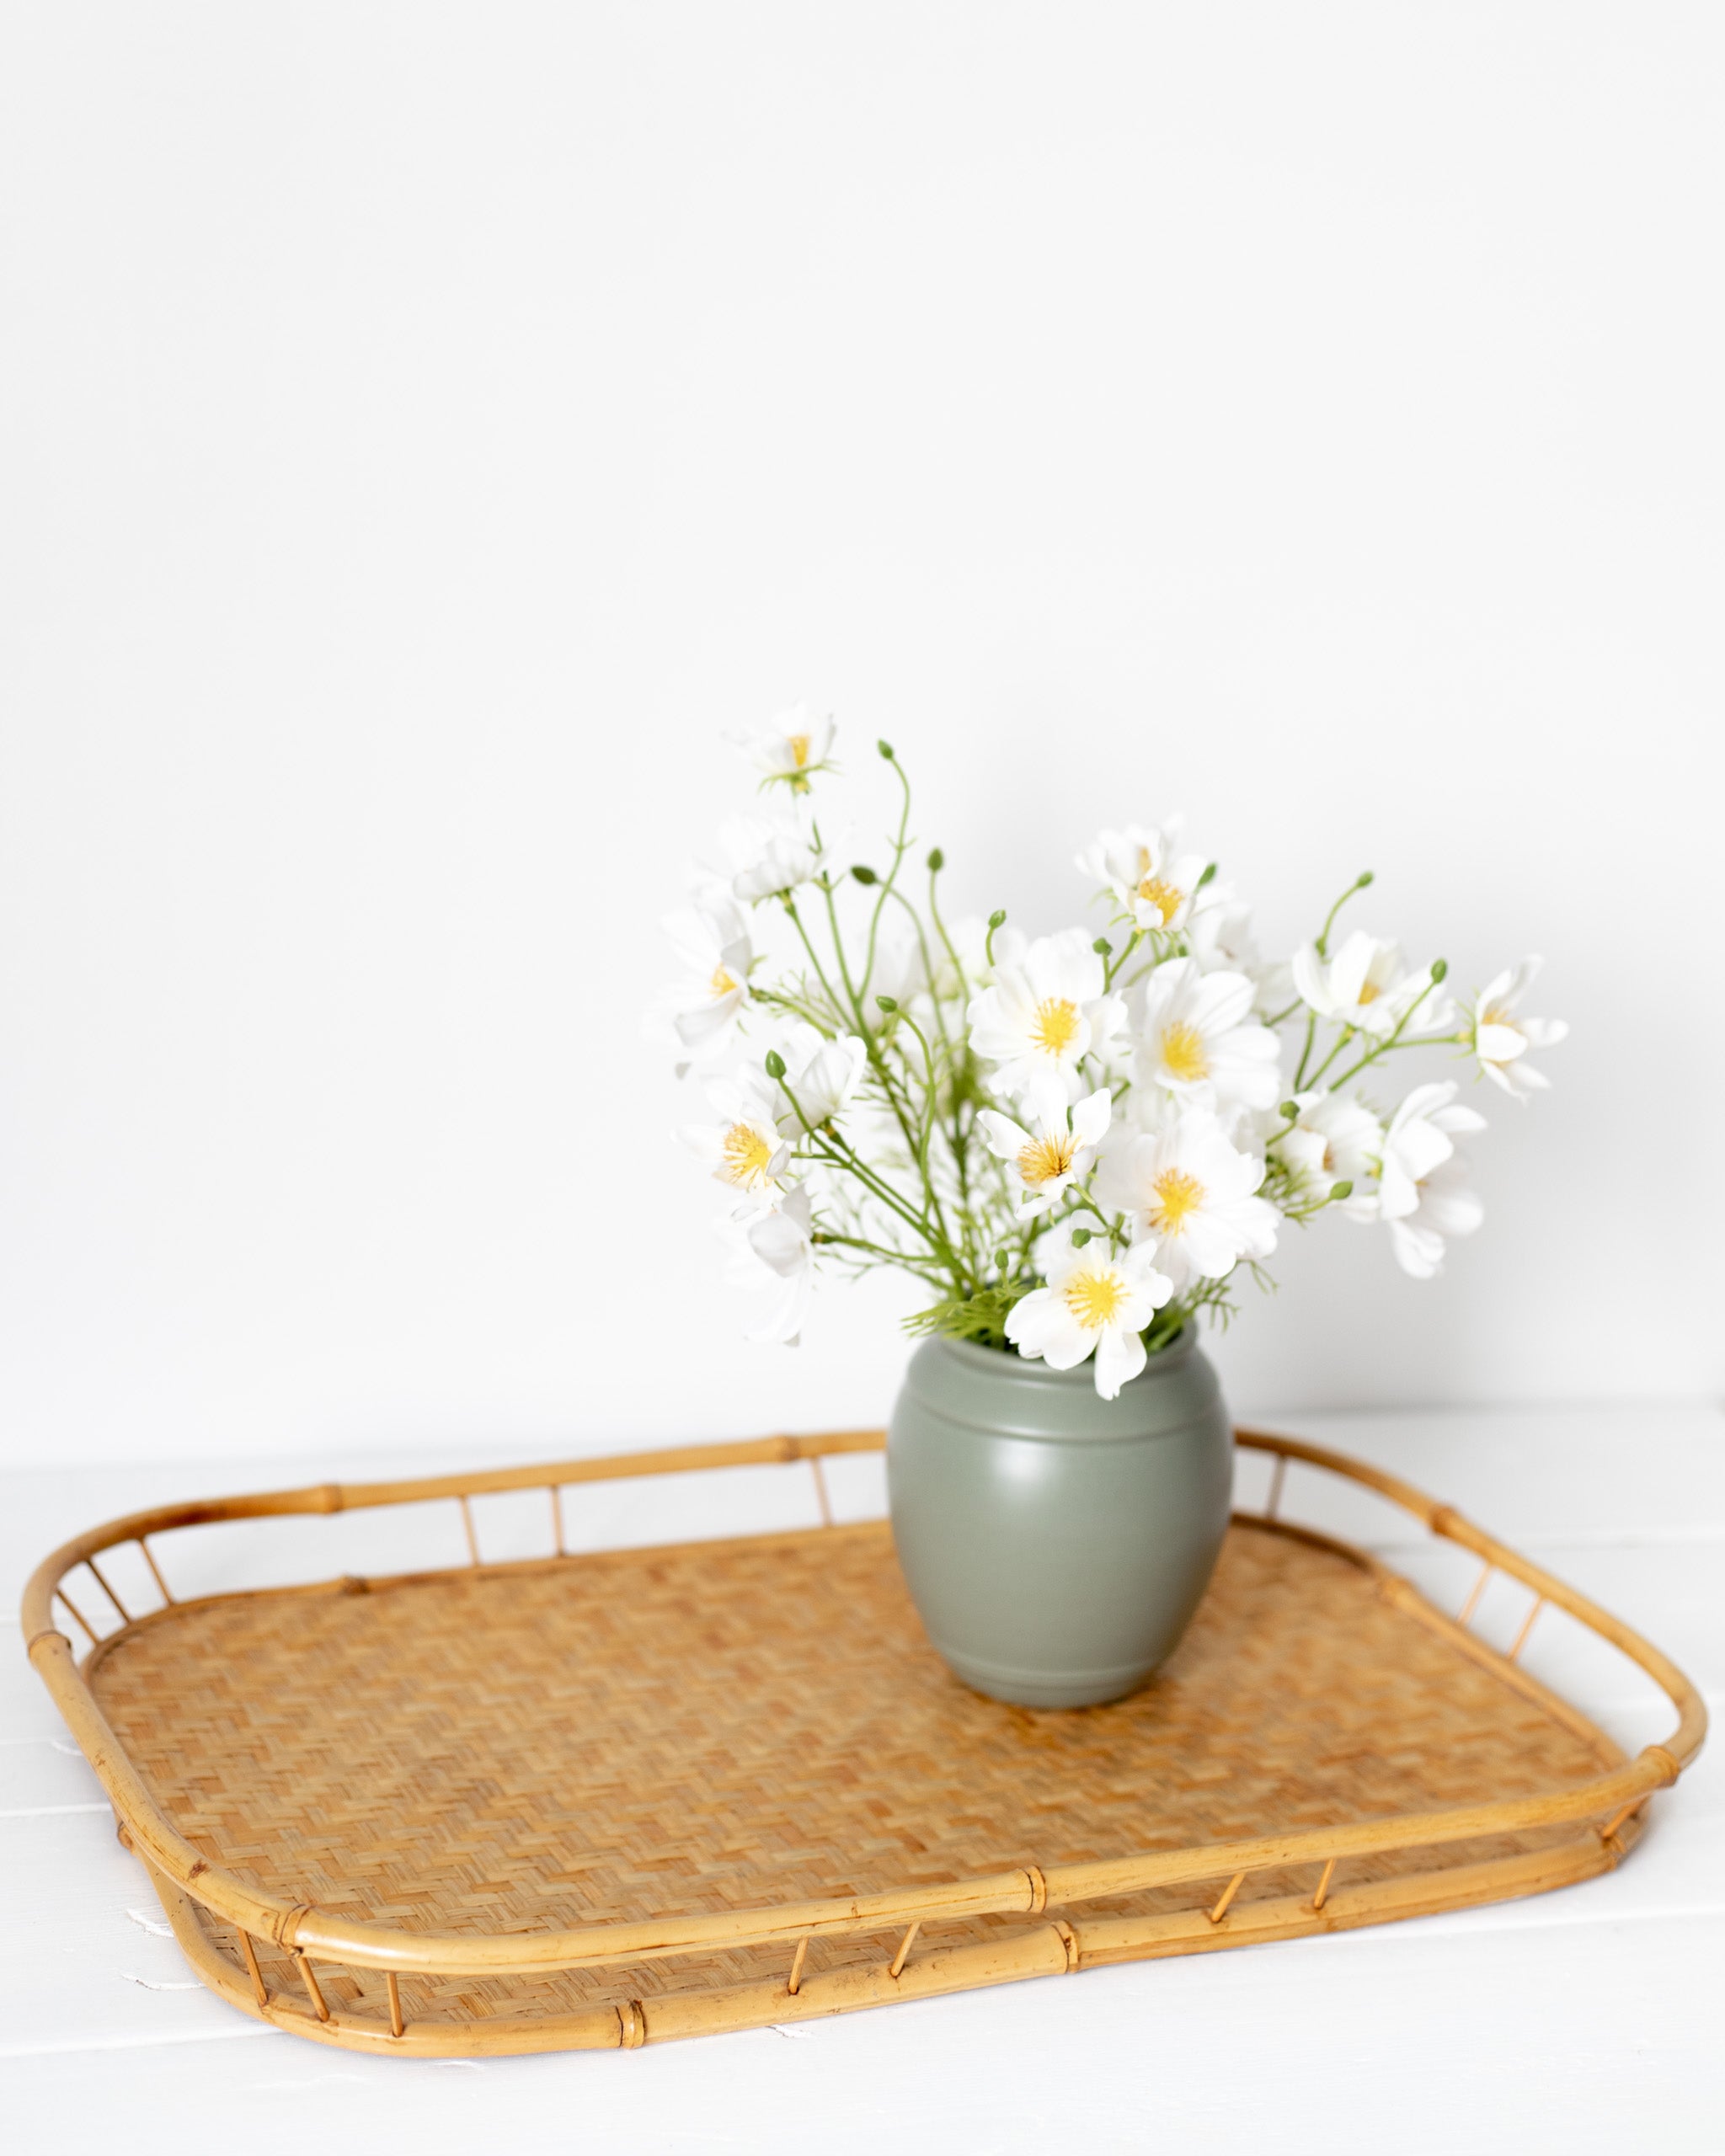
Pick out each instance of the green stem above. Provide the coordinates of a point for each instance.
(1085, 1202)
(1394, 1041)
(940, 930)
(1300, 1215)
(824, 885)
(827, 1145)
(940, 1018)
(960, 1134)
(1305, 1050)
(1346, 1034)
(790, 905)
(1323, 937)
(924, 1268)
(825, 1138)
(901, 847)
(1112, 967)
(932, 1097)
(831, 1145)
(889, 1086)
(797, 1007)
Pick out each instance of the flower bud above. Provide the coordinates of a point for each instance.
(1289, 1110)
(1339, 1191)
(775, 1063)
(887, 1003)
(1364, 877)
(1439, 968)
(1209, 870)
(864, 874)
(885, 749)
(1081, 1236)
(998, 920)
(937, 861)
(1103, 948)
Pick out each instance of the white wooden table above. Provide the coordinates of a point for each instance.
(1590, 2019)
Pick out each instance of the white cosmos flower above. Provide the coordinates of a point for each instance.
(1419, 1140)
(1193, 1192)
(823, 1074)
(1335, 1138)
(745, 1152)
(1054, 1147)
(1218, 936)
(772, 1255)
(791, 748)
(1151, 880)
(1501, 1039)
(748, 1149)
(1047, 1008)
(1364, 985)
(767, 852)
(701, 1011)
(1219, 932)
(1446, 1207)
(1095, 1303)
(1197, 1036)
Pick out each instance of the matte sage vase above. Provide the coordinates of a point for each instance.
(1056, 1545)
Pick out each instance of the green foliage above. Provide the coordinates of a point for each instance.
(981, 1317)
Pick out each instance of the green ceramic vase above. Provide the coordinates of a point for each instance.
(1056, 1545)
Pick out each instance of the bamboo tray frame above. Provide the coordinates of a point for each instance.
(203, 1899)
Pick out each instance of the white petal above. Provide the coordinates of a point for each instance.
(1498, 1043)
(1418, 1251)
(1119, 1356)
(1310, 981)
(1091, 1116)
(1003, 1137)
(1351, 967)
(1221, 1002)
(1044, 1103)
(1207, 1246)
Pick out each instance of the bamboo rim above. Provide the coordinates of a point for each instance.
(185, 1877)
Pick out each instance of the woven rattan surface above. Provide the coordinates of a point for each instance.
(606, 1800)
(640, 1733)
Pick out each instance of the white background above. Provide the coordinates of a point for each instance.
(425, 428)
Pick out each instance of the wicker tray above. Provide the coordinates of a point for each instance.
(595, 1799)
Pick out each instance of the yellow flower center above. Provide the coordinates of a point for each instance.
(1045, 1158)
(748, 1154)
(798, 744)
(1095, 1298)
(1055, 1025)
(1164, 897)
(1183, 1053)
(1175, 1193)
(1369, 992)
(723, 982)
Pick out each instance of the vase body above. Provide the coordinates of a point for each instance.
(1056, 1545)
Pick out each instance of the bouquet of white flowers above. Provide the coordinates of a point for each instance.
(1074, 1141)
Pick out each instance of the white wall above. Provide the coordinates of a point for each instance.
(426, 427)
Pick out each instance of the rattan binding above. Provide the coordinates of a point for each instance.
(600, 1800)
